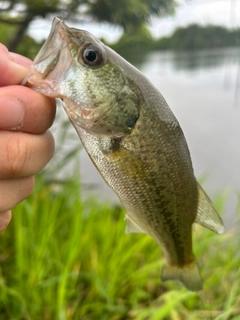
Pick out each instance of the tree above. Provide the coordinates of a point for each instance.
(195, 37)
(131, 15)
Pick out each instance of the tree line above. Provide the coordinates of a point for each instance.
(195, 37)
(17, 15)
(132, 16)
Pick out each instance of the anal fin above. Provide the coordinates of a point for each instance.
(132, 227)
(207, 215)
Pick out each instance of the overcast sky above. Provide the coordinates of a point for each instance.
(218, 12)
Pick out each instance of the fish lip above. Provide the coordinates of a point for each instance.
(46, 88)
(36, 81)
(57, 40)
(47, 59)
(52, 45)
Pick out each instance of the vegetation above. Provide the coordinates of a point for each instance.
(64, 258)
(130, 15)
(134, 47)
(195, 37)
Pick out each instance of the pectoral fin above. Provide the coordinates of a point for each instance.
(132, 227)
(207, 216)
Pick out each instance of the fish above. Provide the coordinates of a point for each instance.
(133, 139)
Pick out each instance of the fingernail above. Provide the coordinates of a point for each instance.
(11, 113)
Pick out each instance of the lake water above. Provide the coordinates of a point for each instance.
(203, 91)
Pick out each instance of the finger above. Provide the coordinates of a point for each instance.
(12, 192)
(11, 71)
(24, 109)
(5, 218)
(17, 58)
(24, 154)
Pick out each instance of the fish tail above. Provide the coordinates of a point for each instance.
(188, 275)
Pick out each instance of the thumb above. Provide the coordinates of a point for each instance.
(11, 72)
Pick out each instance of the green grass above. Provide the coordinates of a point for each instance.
(62, 258)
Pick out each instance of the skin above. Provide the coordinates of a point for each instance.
(26, 144)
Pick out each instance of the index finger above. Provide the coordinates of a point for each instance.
(13, 67)
(19, 59)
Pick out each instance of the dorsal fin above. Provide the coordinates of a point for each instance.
(207, 215)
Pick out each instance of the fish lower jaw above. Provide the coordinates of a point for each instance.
(38, 83)
(44, 88)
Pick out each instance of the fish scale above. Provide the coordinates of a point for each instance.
(133, 139)
(152, 210)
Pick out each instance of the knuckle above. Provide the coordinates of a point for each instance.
(16, 153)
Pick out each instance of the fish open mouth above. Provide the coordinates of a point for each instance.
(51, 62)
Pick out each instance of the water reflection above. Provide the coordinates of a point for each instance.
(205, 59)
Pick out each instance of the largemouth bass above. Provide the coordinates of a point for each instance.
(134, 140)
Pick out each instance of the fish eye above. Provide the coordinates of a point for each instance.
(92, 56)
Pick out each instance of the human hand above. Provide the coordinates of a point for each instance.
(26, 144)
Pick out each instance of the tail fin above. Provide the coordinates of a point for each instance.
(188, 275)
